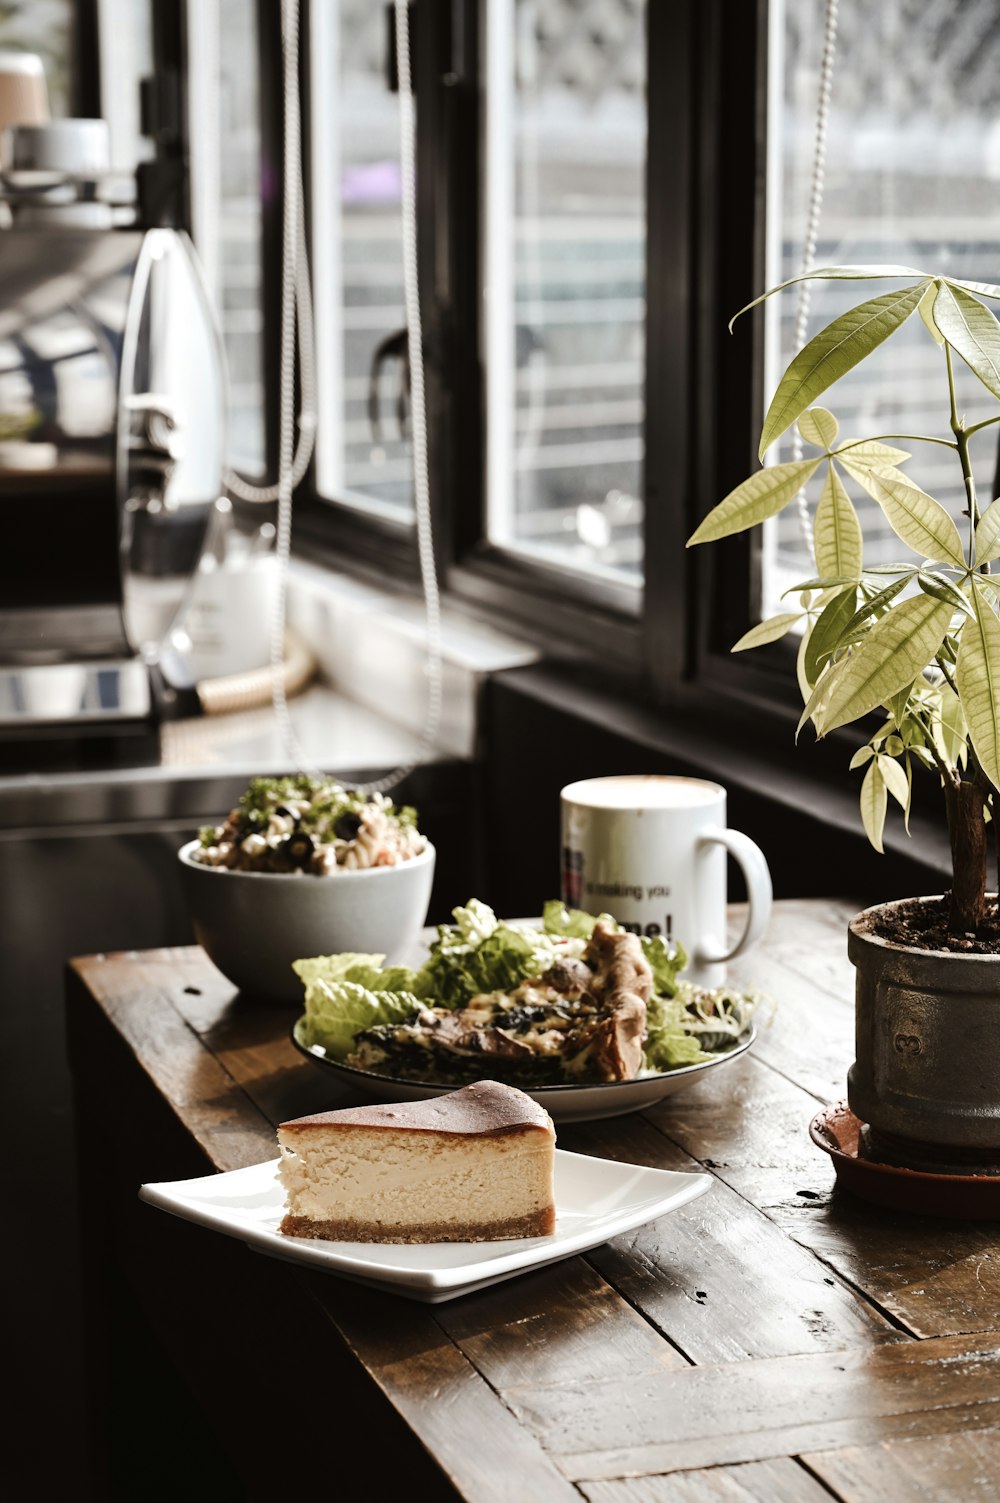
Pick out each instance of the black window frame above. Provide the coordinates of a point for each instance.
(705, 175)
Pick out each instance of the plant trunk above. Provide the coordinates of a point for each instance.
(967, 831)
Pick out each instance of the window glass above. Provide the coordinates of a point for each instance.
(565, 280)
(125, 40)
(226, 194)
(363, 452)
(912, 179)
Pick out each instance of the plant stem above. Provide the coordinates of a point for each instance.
(966, 801)
(962, 444)
(967, 833)
(949, 775)
(910, 438)
(986, 423)
(946, 672)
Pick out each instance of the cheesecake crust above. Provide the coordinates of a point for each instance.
(540, 1223)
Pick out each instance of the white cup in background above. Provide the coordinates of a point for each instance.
(652, 852)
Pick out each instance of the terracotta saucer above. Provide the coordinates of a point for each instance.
(966, 1197)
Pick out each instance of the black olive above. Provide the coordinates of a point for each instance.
(282, 810)
(298, 848)
(347, 826)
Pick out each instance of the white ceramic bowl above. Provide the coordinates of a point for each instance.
(252, 925)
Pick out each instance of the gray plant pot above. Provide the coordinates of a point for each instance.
(926, 1078)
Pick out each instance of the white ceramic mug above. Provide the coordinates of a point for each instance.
(652, 852)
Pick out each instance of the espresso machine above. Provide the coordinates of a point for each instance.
(112, 445)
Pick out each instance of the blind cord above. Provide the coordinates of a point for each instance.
(296, 312)
(812, 230)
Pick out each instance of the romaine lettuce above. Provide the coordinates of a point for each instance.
(572, 923)
(337, 1011)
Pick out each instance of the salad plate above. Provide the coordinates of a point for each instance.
(362, 1019)
(596, 1199)
(564, 1103)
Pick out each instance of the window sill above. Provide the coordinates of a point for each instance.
(370, 644)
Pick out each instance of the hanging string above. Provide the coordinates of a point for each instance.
(296, 312)
(812, 231)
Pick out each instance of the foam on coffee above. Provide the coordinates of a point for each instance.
(641, 791)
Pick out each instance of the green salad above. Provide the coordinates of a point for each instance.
(513, 977)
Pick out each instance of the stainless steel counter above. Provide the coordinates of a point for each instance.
(202, 767)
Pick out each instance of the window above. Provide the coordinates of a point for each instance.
(912, 179)
(363, 451)
(578, 263)
(228, 187)
(565, 281)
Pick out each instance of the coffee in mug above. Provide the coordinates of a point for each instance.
(651, 851)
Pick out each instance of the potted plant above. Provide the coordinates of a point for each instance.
(916, 645)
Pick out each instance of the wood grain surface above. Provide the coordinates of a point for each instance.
(775, 1340)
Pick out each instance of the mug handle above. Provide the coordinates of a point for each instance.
(750, 859)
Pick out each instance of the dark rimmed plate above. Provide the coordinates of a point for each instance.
(564, 1103)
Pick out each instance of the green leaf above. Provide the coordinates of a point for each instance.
(926, 310)
(832, 353)
(894, 778)
(805, 687)
(767, 631)
(890, 569)
(861, 756)
(988, 534)
(829, 583)
(766, 493)
(897, 704)
(941, 587)
(872, 454)
(909, 795)
(876, 606)
(977, 674)
(984, 289)
(873, 804)
(826, 634)
(898, 647)
(950, 727)
(819, 427)
(837, 540)
(972, 330)
(921, 522)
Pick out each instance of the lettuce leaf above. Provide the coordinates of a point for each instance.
(665, 962)
(668, 1043)
(459, 970)
(337, 1011)
(572, 923)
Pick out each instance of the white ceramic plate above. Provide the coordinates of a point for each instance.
(564, 1103)
(595, 1199)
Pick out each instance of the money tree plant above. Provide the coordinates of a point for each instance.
(914, 643)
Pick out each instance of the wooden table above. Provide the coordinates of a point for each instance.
(776, 1340)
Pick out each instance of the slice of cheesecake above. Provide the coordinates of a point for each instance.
(475, 1165)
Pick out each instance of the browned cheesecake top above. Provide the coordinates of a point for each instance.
(485, 1109)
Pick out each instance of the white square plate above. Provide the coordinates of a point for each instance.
(596, 1199)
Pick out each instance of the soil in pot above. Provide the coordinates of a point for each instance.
(922, 924)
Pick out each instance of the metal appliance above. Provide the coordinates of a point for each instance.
(112, 445)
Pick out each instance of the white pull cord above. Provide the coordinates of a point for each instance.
(296, 301)
(812, 230)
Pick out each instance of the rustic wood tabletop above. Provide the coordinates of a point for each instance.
(777, 1339)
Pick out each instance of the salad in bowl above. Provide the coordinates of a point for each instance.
(300, 866)
(311, 825)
